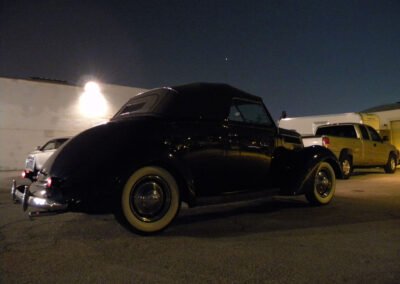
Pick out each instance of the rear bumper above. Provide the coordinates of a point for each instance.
(38, 200)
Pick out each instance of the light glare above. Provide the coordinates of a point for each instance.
(92, 87)
(92, 101)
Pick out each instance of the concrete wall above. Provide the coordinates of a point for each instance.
(32, 112)
(389, 125)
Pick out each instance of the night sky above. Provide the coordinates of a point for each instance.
(305, 57)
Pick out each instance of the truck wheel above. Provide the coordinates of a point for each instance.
(347, 166)
(391, 164)
(320, 188)
(150, 200)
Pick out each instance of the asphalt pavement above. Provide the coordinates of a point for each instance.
(355, 239)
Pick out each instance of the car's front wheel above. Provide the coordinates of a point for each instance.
(150, 200)
(321, 185)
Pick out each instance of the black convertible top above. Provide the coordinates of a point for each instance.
(212, 91)
(190, 101)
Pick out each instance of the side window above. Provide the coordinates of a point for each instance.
(374, 135)
(331, 131)
(324, 131)
(336, 131)
(345, 131)
(349, 132)
(364, 132)
(234, 114)
(250, 112)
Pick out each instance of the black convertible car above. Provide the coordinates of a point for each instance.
(198, 143)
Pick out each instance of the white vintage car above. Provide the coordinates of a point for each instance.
(37, 158)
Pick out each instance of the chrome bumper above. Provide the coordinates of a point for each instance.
(23, 195)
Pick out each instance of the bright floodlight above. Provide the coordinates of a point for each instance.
(92, 87)
(92, 101)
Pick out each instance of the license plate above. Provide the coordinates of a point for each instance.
(30, 164)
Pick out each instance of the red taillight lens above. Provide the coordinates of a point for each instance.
(23, 174)
(325, 141)
(48, 182)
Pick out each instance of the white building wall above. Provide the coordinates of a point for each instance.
(32, 112)
(389, 125)
(387, 116)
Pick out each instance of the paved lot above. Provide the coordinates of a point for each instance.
(356, 239)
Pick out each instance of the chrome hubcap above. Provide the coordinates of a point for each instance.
(346, 167)
(150, 198)
(323, 183)
(393, 164)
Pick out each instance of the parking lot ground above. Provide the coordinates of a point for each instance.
(355, 239)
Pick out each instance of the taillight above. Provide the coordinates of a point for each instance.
(325, 141)
(48, 182)
(23, 174)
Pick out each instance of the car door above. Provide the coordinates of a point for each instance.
(201, 147)
(367, 147)
(378, 150)
(250, 144)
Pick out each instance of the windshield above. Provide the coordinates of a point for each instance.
(53, 144)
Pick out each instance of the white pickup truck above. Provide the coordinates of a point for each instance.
(356, 146)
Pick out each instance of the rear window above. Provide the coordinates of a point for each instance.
(345, 131)
(139, 105)
(167, 102)
(133, 108)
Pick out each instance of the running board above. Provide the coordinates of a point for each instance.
(235, 197)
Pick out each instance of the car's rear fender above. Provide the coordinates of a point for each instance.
(163, 159)
(182, 174)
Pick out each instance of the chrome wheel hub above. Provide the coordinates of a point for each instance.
(346, 167)
(392, 164)
(150, 198)
(323, 183)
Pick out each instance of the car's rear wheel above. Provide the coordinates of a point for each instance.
(347, 166)
(150, 200)
(320, 187)
(391, 164)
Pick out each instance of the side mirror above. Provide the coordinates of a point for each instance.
(385, 138)
(38, 147)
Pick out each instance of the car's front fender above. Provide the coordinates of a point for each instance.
(292, 169)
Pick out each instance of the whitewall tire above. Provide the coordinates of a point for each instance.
(150, 200)
(321, 186)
